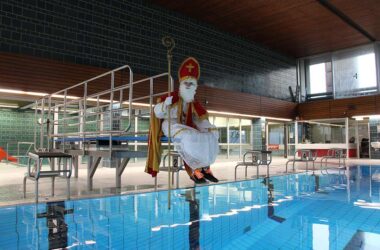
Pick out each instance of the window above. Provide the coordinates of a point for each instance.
(246, 131)
(340, 74)
(234, 131)
(366, 75)
(319, 78)
(221, 124)
(355, 72)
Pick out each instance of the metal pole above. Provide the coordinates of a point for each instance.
(168, 42)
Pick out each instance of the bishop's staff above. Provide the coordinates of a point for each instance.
(168, 42)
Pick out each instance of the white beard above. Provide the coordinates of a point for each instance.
(187, 94)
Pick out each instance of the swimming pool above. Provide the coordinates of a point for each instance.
(301, 211)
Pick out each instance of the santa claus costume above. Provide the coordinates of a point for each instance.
(193, 136)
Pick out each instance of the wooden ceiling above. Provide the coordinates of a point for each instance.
(297, 28)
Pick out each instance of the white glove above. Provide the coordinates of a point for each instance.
(168, 101)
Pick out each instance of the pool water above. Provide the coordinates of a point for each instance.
(339, 210)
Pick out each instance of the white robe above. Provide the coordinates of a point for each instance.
(197, 147)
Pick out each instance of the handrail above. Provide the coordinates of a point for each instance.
(18, 143)
(306, 155)
(58, 120)
(258, 158)
(334, 153)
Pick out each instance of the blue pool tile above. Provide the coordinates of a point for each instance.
(226, 216)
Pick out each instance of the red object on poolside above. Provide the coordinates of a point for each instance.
(4, 155)
(273, 147)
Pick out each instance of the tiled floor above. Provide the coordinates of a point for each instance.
(134, 179)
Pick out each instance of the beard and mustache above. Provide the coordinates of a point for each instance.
(187, 94)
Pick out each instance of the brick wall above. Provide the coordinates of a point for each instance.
(110, 33)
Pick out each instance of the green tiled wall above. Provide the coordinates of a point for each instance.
(258, 134)
(16, 125)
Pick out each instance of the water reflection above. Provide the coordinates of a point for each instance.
(55, 222)
(268, 183)
(288, 212)
(194, 218)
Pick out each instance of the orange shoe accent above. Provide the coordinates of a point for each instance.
(198, 173)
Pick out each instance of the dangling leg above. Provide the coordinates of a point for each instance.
(195, 175)
(208, 174)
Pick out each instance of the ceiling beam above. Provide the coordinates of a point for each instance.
(346, 19)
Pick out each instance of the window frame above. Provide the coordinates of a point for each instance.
(312, 61)
(329, 58)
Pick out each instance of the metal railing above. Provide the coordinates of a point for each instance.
(303, 155)
(19, 155)
(85, 111)
(255, 158)
(337, 154)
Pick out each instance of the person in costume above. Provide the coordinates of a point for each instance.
(193, 136)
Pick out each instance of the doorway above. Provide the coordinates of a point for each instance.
(276, 138)
(363, 139)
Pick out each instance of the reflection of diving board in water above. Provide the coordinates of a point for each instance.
(56, 224)
(104, 110)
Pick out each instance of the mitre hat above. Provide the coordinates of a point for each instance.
(189, 69)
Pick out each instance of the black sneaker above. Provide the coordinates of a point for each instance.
(209, 176)
(198, 181)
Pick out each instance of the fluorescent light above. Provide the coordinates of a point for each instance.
(250, 116)
(67, 97)
(323, 123)
(31, 93)
(20, 92)
(41, 94)
(141, 104)
(230, 113)
(8, 105)
(278, 119)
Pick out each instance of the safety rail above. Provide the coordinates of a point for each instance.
(303, 155)
(339, 154)
(176, 166)
(38, 172)
(18, 156)
(255, 158)
(84, 110)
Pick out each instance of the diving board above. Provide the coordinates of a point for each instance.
(72, 119)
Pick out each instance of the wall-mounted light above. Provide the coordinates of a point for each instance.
(20, 92)
(9, 105)
(249, 116)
